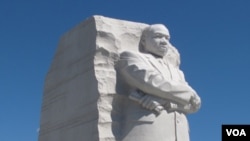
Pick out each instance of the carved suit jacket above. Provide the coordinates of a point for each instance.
(157, 78)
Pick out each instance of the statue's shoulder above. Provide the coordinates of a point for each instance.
(129, 54)
(135, 54)
(132, 55)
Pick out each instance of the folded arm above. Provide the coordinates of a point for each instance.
(140, 74)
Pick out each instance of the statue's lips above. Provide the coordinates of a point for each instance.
(163, 47)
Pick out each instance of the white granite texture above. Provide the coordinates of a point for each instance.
(88, 96)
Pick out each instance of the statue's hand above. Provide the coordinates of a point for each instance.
(152, 103)
(195, 102)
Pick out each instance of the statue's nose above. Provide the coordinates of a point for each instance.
(163, 41)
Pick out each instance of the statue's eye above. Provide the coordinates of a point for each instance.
(158, 36)
(167, 37)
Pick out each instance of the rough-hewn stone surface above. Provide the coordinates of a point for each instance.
(81, 83)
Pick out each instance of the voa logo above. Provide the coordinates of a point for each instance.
(236, 132)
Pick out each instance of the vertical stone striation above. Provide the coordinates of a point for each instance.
(81, 84)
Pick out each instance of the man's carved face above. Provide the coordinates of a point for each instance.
(157, 40)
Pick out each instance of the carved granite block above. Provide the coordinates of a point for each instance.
(80, 87)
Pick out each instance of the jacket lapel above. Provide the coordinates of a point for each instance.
(159, 66)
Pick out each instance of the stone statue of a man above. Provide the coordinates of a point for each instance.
(160, 97)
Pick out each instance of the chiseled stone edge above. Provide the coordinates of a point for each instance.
(113, 36)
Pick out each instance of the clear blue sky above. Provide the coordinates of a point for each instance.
(213, 37)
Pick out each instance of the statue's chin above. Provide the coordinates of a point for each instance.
(159, 55)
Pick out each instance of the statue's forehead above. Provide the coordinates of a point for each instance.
(159, 29)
